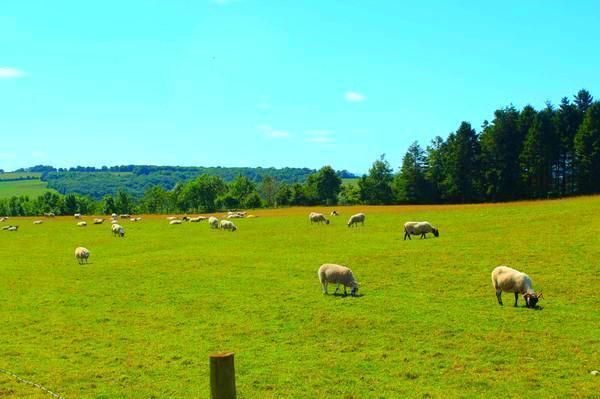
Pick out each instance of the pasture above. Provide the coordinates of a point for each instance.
(140, 320)
(31, 188)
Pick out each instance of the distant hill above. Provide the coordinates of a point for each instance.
(136, 179)
(22, 183)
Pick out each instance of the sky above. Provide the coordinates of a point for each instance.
(275, 82)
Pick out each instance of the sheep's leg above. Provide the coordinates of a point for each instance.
(324, 288)
(337, 287)
(345, 293)
(499, 296)
(516, 299)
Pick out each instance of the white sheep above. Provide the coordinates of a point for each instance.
(77, 215)
(49, 214)
(82, 224)
(337, 274)
(228, 225)
(175, 221)
(234, 216)
(319, 218)
(334, 213)
(3, 218)
(171, 217)
(507, 279)
(11, 228)
(82, 254)
(98, 221)
(38, 221)
(198, 219)
(419, 228)
(117, 230)
(213, 222)
(114, 216)
(356, 219)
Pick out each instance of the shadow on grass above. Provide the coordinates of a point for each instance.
(349, 296)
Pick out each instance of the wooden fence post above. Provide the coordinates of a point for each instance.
(222, 376)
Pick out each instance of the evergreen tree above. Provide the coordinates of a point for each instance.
(462, 165)
(410, 184)
(587, 150)
(583, 100)
(327, 185)
(376, 187)
(567, 120)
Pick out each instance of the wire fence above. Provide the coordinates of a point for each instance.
(33, 384)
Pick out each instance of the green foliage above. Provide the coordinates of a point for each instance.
(375, 188)
(411, 185)
(587, 146)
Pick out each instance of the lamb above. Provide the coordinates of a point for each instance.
(332, 273)
(334, 213)
(356, 219)
(82, 254)
(117, 229)
(98, 221)
(175, 221)
(315, 217)
(198, 219)
(508, 279)
(82, 224)
(419, 228)
(213, 222)
(77, 215)
(38, 221)
(228, 225)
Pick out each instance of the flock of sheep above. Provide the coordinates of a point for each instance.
(504, 279)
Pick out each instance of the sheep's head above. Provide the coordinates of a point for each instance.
(326, 221)
(233, 228)
(436, 232)
(531, 300)
(354, 290)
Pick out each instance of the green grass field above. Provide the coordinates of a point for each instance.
(140, 320)
(31, 188)
(17, 175)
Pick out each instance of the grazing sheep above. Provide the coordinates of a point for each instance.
(332, 273)
(334, 213)
(3, 218)
(133, 219)
(508, 279)
(185, 218)
(10, 228)
(38, 221)
(356, 219)
(171, 217)
(82, 224)
(198, 219)
(234, 216)
(98, 221)
(114, 216)
(77, 215)
(117, 230)
(176, 221)
(241, 214)
(137, 219)
(213, 222)
(82, 254)
(419, 228)
(125, 216)
(49, 214)
(228, 225)
(315, 217)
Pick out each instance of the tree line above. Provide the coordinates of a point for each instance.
(520, 154)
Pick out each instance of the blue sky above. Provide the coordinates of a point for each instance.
(274, 82)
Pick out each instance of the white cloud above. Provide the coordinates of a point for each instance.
(223, 2)
(38, 154)
(269, 131)
(279, 134)
(354, 96)
(8, 73)
(320, 139)
(319, 136)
